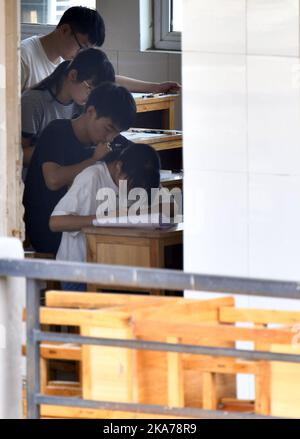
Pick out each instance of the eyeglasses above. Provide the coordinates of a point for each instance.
(77, 41)
(88, 86)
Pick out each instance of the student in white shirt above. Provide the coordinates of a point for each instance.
(139, 164)
(79, 28)
(66, 148)
(61, 94)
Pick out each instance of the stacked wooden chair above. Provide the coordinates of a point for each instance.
(168, 378)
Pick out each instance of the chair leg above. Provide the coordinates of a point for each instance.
(175, 377)
(209, 391)
(262, 389)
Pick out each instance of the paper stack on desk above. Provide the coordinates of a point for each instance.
(145, 221)
(152, 95)
(133, 135)
(142, 95)
(165, 174)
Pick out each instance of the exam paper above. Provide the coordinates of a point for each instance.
(155, 221)
(152, 95)
(141, 95)
(134, 136)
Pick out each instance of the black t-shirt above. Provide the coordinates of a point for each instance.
(57, 144)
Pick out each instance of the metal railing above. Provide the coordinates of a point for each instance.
(119, 276)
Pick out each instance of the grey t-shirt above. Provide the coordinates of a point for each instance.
(39, 108)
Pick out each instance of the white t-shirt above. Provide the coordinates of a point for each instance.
(35, 65)
(81, 200)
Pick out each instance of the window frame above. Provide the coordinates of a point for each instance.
(163, 38)
(30, 29)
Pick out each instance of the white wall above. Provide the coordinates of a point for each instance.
(241, 108)
(241, 78)
(11, 209)
(122, 45)
(12, 291)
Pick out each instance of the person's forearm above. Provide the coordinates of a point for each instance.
(66, 174)
(70, 223)
(24, 76)
(27, 154)
(135, 85)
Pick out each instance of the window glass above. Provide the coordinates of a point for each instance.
(49, 11)
(176, 19)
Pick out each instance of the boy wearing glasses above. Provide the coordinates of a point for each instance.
(79, 28)
(66, 148)
(62, 94)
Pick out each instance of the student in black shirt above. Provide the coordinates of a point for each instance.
(66, 148)
(62, 94)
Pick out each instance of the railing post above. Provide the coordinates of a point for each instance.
(33, 347)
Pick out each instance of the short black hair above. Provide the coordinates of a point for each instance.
(113, 101)
(90, 64)
(141, 165)
(85, 21)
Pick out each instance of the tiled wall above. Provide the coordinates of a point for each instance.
(241, 78)
(122, 45)
(241, 119)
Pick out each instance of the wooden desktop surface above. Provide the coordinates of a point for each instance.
(134, 232)
(167, 139)
(157, 102)
(163, 103)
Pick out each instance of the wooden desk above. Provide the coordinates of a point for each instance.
(163, 103)
(162, 142)
(133, 247)
(175, 180)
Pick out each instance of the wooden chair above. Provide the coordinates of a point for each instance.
(113, 315)
(173, 379)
